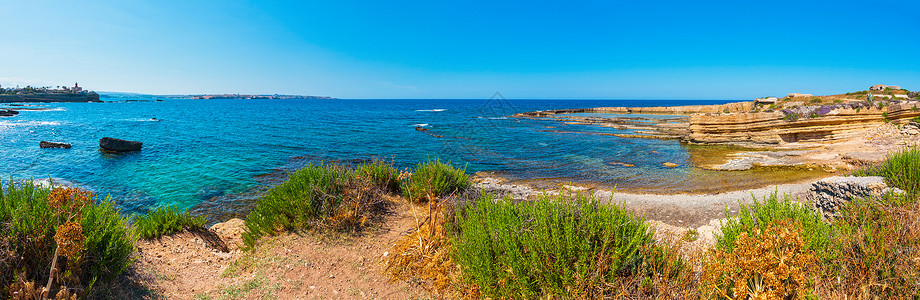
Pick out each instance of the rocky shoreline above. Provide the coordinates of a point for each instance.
(829, 132)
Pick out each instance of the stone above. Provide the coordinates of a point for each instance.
(114, 145)
(420, 128)
(8, 113)
(44, 144)
(230, 229)
(828, 196)
(865, 157)
(670, 165)
(517, 193)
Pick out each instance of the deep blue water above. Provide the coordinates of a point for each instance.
(205, 148)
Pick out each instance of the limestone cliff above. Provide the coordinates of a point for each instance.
(773, 128)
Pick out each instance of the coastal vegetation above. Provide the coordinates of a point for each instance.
(434, 179)
(59, 243)
(557, 246)
(165, 220)
(474, 245)
(326, 196)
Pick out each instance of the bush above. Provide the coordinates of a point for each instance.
(879, 245)
(551, 247)
(108, 242)
(165, 220)
(88, 242)
(758, 215)
(434, 179)
(902, 169)
(383, 174)
(319, 196)
(773, 263)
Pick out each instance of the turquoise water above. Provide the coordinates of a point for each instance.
(201, 149)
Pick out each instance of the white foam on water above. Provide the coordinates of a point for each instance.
(431, 110)
(28, 123)
(420, 125)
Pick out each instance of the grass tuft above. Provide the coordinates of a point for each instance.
(383, 174)
(331, 197)
(434, 179)
(902, 169)
(165, 220)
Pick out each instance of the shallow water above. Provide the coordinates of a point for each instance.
(202, 149)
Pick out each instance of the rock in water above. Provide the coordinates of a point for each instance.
(114, 145)
(669, 165)
(45, 144)
(8, 113)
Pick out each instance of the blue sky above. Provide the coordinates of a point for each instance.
(469, 49)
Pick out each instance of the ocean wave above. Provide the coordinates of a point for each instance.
(143, 120)
(47, 109)
(420, 125)
(28, 123)
(431, 110)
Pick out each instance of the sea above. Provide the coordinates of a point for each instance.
(195, 151)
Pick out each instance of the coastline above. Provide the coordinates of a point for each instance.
(50, 98)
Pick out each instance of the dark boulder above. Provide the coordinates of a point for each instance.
(420, 128)
(114, 145)
(45, 144)
(8, 113)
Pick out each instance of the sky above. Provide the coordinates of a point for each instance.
(463, 49)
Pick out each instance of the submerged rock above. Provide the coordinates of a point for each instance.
(831, 194)
(8, 113)
(45, 144)
(114, 145)
(670, 165)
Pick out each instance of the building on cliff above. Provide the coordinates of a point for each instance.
(882, 87)
(793, 95)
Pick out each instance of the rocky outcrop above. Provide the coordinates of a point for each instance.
(768, 129)
(114, 145)
(665, 110)
(828, 196)
(8, 113)
(44, 144)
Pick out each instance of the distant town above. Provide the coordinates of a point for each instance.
(30, 90)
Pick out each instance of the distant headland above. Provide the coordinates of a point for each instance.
(47, 94)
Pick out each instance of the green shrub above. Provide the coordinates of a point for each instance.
(902, 169)
(759, 214)
(165, 220)
(434, 179)
(318, 196)
(383, 174)
(879, 243)
(553, 247)
(92, 239)
(109, 243)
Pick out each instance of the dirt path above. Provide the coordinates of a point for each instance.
(289, 266)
